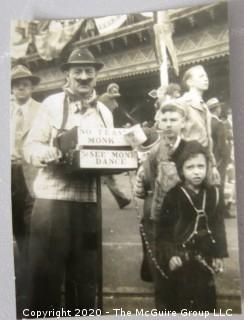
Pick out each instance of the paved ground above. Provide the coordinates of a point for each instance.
(122, 256)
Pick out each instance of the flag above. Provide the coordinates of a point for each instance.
(163, 30)
(19, 39)
(52, 41)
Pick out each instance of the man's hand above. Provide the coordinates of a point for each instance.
(48, 155)
(218, 265)
(52, 154)
(175, 263)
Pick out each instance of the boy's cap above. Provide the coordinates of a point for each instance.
(173, 105)
(190, 149)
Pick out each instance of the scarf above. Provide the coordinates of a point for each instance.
(81, 104)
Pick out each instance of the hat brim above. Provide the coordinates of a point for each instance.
(114, 95)
(215, 105)
(34, 79)
(97, 65)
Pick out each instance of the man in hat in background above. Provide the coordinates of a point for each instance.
(64, 238)
(23, 112)
(221, 148)
(109, 99)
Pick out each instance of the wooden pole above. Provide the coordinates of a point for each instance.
(100, 248)
(161, 51)
(164, 78)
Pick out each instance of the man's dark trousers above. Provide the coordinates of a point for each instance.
(22, 204)
(63, 245)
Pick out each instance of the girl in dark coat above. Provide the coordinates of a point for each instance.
(191, 236)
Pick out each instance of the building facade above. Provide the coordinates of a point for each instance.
(200, 36)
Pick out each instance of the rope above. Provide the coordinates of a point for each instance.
(144, 236)
(199, 213)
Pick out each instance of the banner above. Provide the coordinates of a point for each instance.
(109, 24)
(19, 39)
(52, 41)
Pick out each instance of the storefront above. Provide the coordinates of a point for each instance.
(200, 37)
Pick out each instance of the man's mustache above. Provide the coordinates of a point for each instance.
(84, 82)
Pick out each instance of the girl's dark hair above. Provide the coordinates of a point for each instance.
(190, 150)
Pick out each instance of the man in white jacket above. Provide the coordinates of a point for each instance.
(23, 110)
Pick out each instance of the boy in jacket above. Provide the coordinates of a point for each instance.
(158, 174)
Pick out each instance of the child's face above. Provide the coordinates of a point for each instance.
(195, 170)
(171, 123)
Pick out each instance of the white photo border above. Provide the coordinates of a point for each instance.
(49, 9)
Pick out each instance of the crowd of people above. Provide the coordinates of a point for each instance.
(181, 178)
(182, 181)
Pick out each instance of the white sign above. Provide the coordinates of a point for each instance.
(109, 24)
(102, 137)
(108, 159)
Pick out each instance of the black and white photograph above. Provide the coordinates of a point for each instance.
(123, 180)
